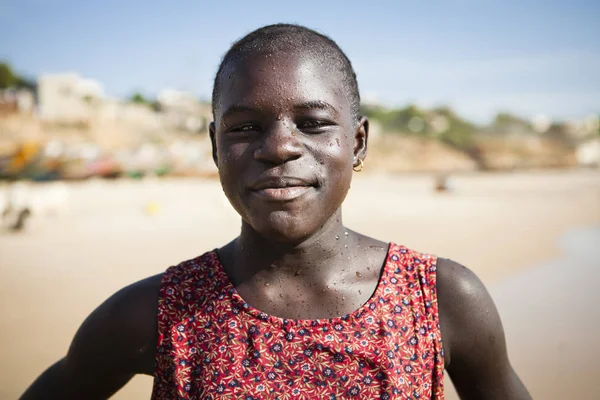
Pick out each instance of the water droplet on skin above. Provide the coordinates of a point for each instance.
(368, 268)
(279, 116)
(266, 283)
(293, 133)
(346, 233)
(298, 272)
(281, 294)
(358, 274)
(346, 246)
(343, 298)
(337, 238)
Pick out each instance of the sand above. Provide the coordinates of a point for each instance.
(506, 227)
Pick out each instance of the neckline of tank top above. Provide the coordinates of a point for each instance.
(281, 322)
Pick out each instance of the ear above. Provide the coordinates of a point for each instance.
(213, 142)
(361, 137)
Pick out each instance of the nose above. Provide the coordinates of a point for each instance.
(279, 144)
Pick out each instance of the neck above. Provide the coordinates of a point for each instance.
(253, 254)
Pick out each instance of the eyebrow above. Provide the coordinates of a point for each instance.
(307, 105)
(238, 108)
(316, 105)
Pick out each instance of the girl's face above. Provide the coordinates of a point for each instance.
(284, 140)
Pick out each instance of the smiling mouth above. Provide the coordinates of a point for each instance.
(281, 189)
(283, 194)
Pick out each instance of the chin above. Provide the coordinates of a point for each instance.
(285, 228)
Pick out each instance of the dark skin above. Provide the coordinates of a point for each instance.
(285, 141)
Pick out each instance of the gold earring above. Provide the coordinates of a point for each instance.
(359, 167)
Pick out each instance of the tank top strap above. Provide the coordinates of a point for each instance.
(185, 288)
(418, 274)
(192, 282)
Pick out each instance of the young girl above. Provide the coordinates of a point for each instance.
(298, 305)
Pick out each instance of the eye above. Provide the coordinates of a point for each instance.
(245, 128)
(313, 125)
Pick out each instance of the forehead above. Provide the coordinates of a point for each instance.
(279, 81)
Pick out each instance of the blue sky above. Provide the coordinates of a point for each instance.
(478, 56)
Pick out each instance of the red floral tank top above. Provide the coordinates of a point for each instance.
(213, 345)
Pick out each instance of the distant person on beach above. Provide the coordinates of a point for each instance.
(298, 305)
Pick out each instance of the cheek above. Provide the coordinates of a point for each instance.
(339, 151)
(231, 167)
(339, 164)
(230, 153)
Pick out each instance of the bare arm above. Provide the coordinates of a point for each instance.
(113, 344)
(474, 342)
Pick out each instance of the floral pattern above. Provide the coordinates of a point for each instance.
(213, 345)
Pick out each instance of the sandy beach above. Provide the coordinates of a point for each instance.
(532, 237)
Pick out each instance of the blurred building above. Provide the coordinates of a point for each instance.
(16, 101)
(67, 98)
(140, 116)
(584, 127)
(588, 153)
(183, 111)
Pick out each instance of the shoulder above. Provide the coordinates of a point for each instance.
(458, 285)
(121, 332)
(121, 335)
(473, 337)
(469, 321)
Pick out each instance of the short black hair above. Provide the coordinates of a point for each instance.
(290, 37)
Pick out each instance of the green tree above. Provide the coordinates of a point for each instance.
(26, 83)
(460, 132)
(395, 119)
(401, 117)
(138, 98)
(7, 76)
(504, 119)
(9, 79)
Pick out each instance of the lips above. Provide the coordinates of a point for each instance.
(281, 188)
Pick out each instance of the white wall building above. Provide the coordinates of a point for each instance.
(182, 110)
(588, 153)
(67, 98)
